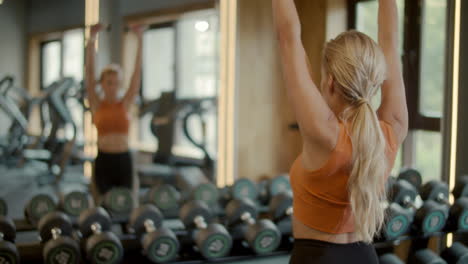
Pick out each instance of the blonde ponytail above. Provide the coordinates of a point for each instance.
(358, 68)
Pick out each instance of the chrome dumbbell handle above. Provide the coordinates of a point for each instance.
(149, 226)
(56, 232)
(96, 228)
(247, 217)
(289, 211)
(200, 222)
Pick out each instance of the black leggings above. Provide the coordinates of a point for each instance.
(319, 252)
(113, 170)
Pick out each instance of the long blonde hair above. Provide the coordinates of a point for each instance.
(357, 66)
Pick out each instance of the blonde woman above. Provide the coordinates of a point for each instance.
(348, 147)
(113, 166)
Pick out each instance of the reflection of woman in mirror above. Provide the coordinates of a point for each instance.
(348, 147)
(113, 165)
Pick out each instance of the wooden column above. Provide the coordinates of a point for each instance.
(264, 142)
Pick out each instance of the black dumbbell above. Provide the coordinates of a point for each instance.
(390, 259)
(75, 202)
(119, 201)
(429, 218)
(212, 239)
(165, 197)
(55, 230)
(194, 185)
(404, 193)
(426, 256)
(271, 187)
(159, 243)
(437, 191)
(461, 187)
(398, 221)
(101, 245)
(262, 235)
(412, 176)
(281, 206)
(3, 207)
(242, 188)
(40, 205)
(458, 215)
(8, 251)
(457, 254)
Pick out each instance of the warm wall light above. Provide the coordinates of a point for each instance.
(226, 105)
(1, 2)
(90, 135)
(455, 90)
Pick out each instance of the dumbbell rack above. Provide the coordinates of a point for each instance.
(174, 214)
(418, 241)
(32, 252)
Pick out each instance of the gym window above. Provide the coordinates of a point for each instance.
(63, 56)
(182, 56)
(423, 48)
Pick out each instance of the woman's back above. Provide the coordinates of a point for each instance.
(322, 209)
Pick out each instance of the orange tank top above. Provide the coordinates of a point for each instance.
(111, 118)
(321, 197)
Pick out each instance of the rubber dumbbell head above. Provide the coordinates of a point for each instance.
(458, 215)
(426, 256)
(461, 187)
(435, 190)
(281, 206)
(101, 245)
(262, 236)
(241, 211)
(8, 251)
(119, 201)
(390, 259)
(206, 192)
(159, 244)
(75, 202)
(244, 188)
(40, 205)
(195, 214)
(55, 229)
(412, 176)
(398, 221)
(457, 254)
(431, 217)
(212, 239)
(164, 197)
(279, 184)
(404, 193)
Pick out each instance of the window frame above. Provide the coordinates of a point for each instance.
(172, 23)
(42, 44)
(169, 24)
(411, 61)
(412, 46)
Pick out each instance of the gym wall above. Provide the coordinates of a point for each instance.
(270, 148)
(12, 45)
(50, 15)
(142, 6)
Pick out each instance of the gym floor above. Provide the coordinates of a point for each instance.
(18, 185)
